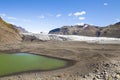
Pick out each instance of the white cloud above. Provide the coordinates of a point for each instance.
(26, 20)
(82, 23)
(105, 4)
(80, 13)
(70, 14)
(41, 17)
(11, 18)
(58, 15)
(81, 18)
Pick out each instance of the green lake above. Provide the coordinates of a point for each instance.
(22, 62)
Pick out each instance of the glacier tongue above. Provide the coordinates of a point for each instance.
(99, 40)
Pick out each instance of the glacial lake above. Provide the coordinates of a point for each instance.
(23, 62)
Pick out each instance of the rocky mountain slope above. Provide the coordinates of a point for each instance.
(8, 33)
(111, 30)
(86, 30)
(22, 30)
(89, 30)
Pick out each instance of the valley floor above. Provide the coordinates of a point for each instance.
(94, 61)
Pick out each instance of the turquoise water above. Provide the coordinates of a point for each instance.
(19, 62)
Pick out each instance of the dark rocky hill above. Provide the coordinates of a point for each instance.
(111, 30)
(89, 30)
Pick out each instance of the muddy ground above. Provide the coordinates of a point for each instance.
(94, 61)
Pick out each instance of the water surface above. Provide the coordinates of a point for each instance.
(20, 62)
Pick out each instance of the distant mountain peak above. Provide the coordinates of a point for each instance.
(89, 30)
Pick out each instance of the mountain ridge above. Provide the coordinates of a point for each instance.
(21, 29)
(89, 30)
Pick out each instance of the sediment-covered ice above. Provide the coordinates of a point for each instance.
(100, 40)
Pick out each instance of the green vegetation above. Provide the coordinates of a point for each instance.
(14, 63)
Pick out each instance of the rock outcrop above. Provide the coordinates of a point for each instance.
(8, 34)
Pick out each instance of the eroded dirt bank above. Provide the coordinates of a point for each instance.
(94, 61)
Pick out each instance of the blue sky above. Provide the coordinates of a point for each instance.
(44, 15)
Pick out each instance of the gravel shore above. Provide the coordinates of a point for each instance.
(94, 61)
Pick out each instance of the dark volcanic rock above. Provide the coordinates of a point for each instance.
(55, 30)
